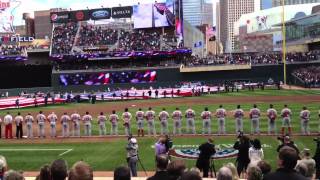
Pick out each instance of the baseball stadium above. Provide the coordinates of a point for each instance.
(141, 91)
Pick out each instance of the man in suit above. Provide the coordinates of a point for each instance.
(206, 151)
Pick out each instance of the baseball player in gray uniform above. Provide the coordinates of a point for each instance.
(177, 118)
(150, 116)
(126, 117)
(41, 118)
(140, 122)
(190, 116)
(29, 121)
(272, 116)
(305, 118)
(206, 121)
(87, 118)
(221, 116)
(102, 124)
(238, 115)
(163, 117)
(65, 119)
(53, 124)
(114, 118)
(75, 118)
(255, 119)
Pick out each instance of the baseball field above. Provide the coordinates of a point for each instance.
(106, 153)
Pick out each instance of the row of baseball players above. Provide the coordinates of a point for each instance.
(150, 117)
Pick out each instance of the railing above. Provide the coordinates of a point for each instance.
(186, 69)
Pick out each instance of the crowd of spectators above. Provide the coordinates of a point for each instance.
(11, 50)
(138, 41)
(254, 59)
(91, 36)
(309, 75)
(63, 38)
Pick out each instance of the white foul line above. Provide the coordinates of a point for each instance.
(65, 150)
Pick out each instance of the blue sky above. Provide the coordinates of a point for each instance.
(266, 4)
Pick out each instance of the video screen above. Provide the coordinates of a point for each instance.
(95, 79)
(159, 14)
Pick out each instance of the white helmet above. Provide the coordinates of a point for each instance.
(133, 140)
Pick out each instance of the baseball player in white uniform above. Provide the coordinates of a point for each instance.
(221, 116)
(41, 118)
(177, 118)
(190, 116)
(102, 124)
(19, 128)
(305, 118)
(272, 116)
(163, 117)
(52, 118)
(87, 118)
(65, 119)
(206, 121)
(255, 119)
(76, 118)
(140, 122)
(114, 118)
(126, 117)
(8, 120)
(150, 116)
(286, 119)
(238, 116)
(29, 121)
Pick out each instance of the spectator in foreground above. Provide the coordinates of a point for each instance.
(44, 173)
(265, 167)
(233, 170)
(3, 166)
(80, 171)
(287, 160)
(309, 162)
(301, 169)
(190, 175)
(175, 169)
(224, 173)
(254, 173)
(13, 175)
(122, 173)
(161, 163)
(59, 169)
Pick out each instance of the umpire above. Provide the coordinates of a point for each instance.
(206, 151)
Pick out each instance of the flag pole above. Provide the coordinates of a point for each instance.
(284, 45)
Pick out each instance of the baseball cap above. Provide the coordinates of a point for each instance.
(133, 140)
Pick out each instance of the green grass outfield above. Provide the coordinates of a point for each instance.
(108, 155)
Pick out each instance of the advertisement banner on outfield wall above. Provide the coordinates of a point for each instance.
(98, 14)
(80, 15)
(60, 17)
(122, 12)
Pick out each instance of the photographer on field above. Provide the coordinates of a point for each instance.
(132, 155)
(286, 141)
(207, 150)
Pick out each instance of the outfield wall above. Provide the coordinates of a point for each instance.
(30, 76)
(171, 77)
